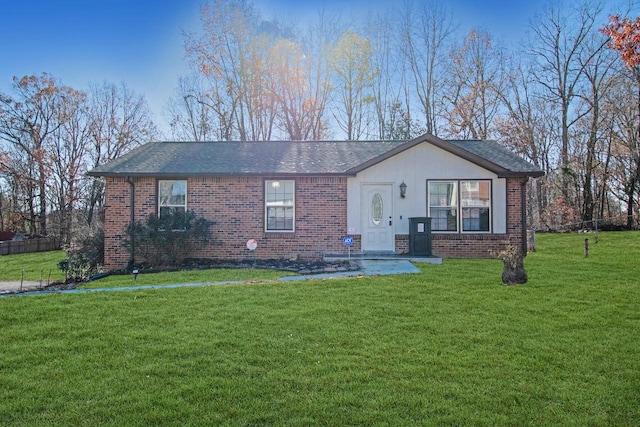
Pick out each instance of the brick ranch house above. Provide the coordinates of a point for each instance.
(298, 199)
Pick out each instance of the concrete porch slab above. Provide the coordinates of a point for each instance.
(382, 257)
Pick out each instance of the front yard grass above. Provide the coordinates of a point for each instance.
(187, 276)
(36, 266)
(449, 346)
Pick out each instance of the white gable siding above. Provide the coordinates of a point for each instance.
(415, 166)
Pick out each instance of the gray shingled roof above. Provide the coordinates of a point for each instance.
(294, 157)
(500, 155)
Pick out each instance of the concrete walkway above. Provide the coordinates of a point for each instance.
(12, 287)
(367, 268)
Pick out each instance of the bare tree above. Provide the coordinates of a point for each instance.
(225, 53)
(317, 42)
(426, 32)
(68, 156)
(475, 84)
(28, 123)
(624, 37)
(559, 49)
(290, 85)
(120, 120)
(530, 129)
(191, 117)
(387, 79)
(597, 69)
(625, 151)
(353, 80)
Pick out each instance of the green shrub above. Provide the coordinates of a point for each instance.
(85, 255)
(169, 239)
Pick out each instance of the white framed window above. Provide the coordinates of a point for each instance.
(279, 205)
(443, 205)
(475, 200)
(459, 206)
(172, 197)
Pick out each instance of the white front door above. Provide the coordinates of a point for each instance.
(377, 221)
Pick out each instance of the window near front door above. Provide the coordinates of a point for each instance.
(172, 201)
(279, 205)
(475, 200)
(443, 205)
(460, 205)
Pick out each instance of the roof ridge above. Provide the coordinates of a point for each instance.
(396, 141)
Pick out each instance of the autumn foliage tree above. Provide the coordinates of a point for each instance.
(28, 122)
(624, 37)
(50, 134)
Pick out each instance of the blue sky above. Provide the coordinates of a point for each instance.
(140, 42)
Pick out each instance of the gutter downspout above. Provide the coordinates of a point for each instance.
(132, 219)
(523, 208)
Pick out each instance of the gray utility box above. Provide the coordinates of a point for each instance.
(420, 236)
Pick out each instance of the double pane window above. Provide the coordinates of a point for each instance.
(279, 205)
(172, 202)
(443, 205)
(460, 205)
(475, 199)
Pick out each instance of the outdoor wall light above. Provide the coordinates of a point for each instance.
(403, 190)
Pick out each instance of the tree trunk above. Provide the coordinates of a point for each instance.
(564, 153)
(43, 200)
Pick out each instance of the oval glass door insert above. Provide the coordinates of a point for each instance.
(377, 209)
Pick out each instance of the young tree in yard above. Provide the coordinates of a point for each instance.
(624, 36)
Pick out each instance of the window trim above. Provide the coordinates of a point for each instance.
(459, 207)
(489, 207)
(267, 183)
(456, 206)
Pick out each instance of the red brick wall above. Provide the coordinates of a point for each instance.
(236, 206)
(485, 245)
(118, 215)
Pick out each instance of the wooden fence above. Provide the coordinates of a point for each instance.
(11, 247)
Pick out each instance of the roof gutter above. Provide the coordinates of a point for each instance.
(523, 214)
(509, 174)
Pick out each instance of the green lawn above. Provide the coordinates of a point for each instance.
(187, 276)
(450, 346)
(43, 266)
(36, 266)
